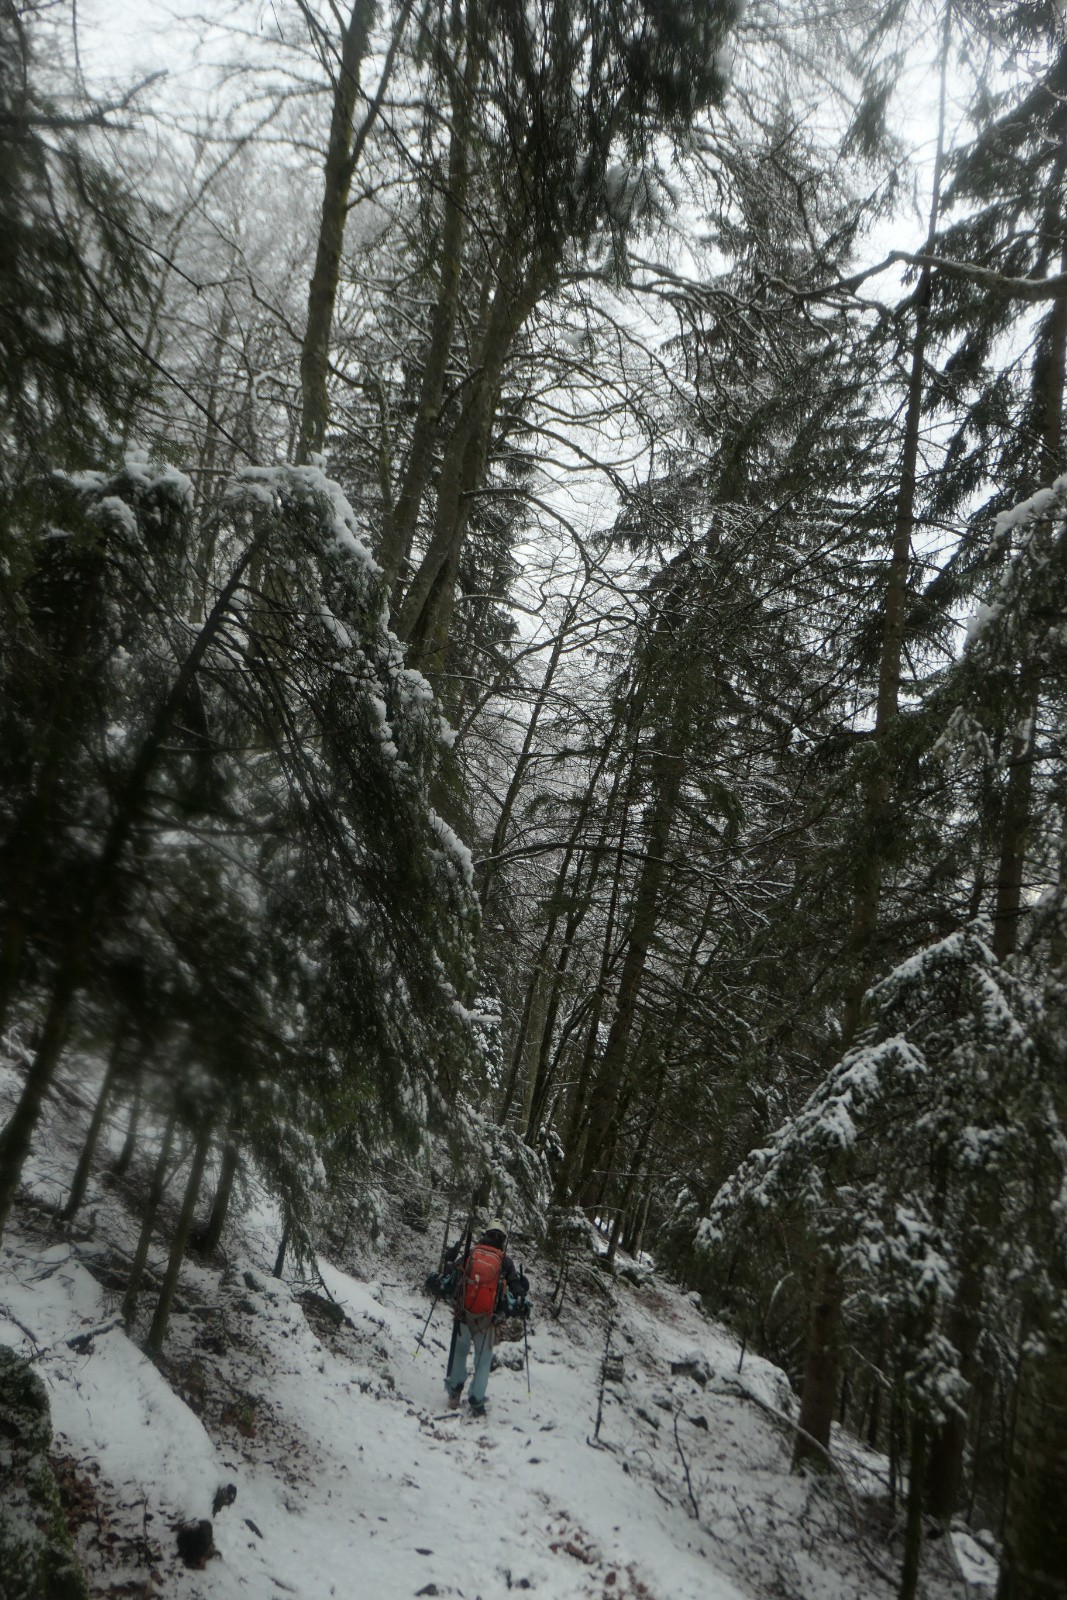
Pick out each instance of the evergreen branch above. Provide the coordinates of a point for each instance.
(1033, 290)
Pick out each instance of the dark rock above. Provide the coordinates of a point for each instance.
(696, 1368)
(196, 1541)
(225, 1495)
(37, 1560)
(252, 1282)
(318, 1307)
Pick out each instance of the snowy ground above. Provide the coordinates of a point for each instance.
(353, 1480)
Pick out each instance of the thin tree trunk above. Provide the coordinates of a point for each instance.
(945, 1466)
(579, 908)
(80, 1180)
(668, 768)
(283, 1245)
(33, 831)
(400, 526)
(1035, 1532)
(1048, 384)
(818, 1397)
(637, 1159)
(877, 824)
(342, 156)
(572, 1139)
(158, 1331)
(209, 1236)
(122, 1163)
(1009, 907)
(425, 614)
(148, 1222)
(522, 761)
(913, 1526)
(821, 1355)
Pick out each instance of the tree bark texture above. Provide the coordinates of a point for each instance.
(148, 1222)
(668, 770)
(34, 830)
(210, 1235)
(913, 1522)
(158, 1331)
(1035, 1541)
(425, 612)
(818, 1399)
(343, 151)
(80, 1180)
(400, 526)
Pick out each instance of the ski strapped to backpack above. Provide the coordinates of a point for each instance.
(458, 1310)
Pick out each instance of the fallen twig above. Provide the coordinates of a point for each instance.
(75, 1341)
(685, 1468)
(603, 1380)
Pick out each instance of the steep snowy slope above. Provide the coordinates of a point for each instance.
(351, 1479)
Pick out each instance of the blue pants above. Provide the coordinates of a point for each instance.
(482, 1338)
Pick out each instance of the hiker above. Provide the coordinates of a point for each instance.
(489, 1288)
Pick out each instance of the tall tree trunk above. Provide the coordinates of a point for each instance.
(821, 1354)
(400, 524)
(668, 769)
(283, 1246)
(579, 907)
(148, 1222)
(342, 157)
(1035, 1536)
(945, 1468)
(913, 1524)
(877, 824)
(34, 829)
(636, 1162)
(818, 1396)
(522, 761)
(158, 1331)
(1048, 385)
(80, 1180)
(1008, 905)
(209, 1236)
(425, 613)
(572, 1142)
(121, 1165)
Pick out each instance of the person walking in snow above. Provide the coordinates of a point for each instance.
(489, 1287)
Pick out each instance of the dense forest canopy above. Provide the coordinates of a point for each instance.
(533, 556)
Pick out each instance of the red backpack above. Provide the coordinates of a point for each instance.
(481, 1279)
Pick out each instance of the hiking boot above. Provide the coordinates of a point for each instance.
(453, 1399)
(477, 1407)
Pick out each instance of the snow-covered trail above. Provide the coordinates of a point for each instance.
(351, 1477)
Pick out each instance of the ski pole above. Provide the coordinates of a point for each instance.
(459, 1295)
(426, 1324)
(526, 1339)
